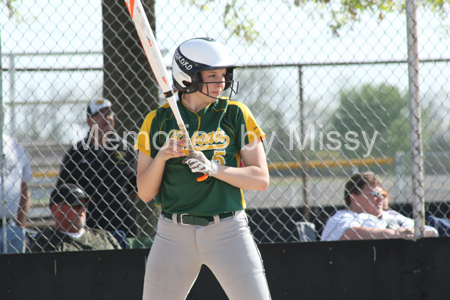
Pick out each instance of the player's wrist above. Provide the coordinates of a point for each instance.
(214, 168)
(161, 158)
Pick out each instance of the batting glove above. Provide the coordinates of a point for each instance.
(198, 163)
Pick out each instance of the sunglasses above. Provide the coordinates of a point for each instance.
(80, 206)
(378, 194)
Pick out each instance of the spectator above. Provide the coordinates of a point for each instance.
(14, 210)
(366, 217)
(104, 166)
(68, 204)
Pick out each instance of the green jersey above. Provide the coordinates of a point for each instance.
(219, 130)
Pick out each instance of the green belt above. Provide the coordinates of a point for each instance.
(186, 219)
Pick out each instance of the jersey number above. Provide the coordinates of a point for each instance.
(219, 156)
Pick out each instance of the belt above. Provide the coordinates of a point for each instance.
(187, 219)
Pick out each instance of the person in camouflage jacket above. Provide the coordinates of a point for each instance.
(68, 204)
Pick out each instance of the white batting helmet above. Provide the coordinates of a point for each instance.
(200, 54)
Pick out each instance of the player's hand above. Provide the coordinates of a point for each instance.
(171, 148)
(198, 163)
(404, 232)
(430, 233)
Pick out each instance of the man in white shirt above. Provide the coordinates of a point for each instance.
(15, 196)
(366, 217)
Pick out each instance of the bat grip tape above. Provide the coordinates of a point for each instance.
(168, 94)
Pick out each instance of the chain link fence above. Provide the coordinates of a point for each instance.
(333, 100)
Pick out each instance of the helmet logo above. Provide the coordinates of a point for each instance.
(182, 61)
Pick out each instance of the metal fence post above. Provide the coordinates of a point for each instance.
(5, 242)
(400, 173)
(415, 120)
(306, 212)
(12, 92)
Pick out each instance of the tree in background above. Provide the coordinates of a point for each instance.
(380, 109)
(128, 80)
(339, 15)
(371, 109)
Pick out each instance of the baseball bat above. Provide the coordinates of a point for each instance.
(156, 62)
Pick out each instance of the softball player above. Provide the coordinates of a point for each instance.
(202, 222)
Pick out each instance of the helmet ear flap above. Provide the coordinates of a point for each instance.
(188, 86)
(195, 85)
(228, 78)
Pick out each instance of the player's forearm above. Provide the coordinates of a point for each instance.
(135, 197)
(255, 174)
(248, 178)
(430, 233)
(367, 233)
(24, 206)
(149, 181)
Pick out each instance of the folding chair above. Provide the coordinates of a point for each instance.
(306, 231)
(121, 237)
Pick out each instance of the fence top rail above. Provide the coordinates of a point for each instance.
(298, 65)
(51, 53)
(318, 64)
(47, 102)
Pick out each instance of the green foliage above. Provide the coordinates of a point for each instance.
(351, 11)
(385, 110)
(339, 14)
(11, 7)
(373, 109)
(14, 13)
